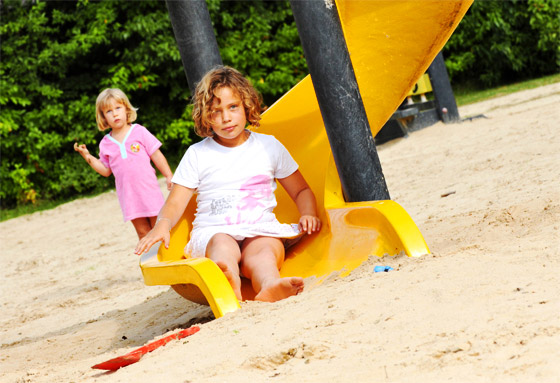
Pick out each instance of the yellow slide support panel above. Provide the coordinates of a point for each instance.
(391, 45)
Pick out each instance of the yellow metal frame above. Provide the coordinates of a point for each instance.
(389, 54)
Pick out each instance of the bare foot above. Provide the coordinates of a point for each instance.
(280, 289)
(233, 278)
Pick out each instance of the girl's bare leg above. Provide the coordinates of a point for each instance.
(225, 252)
(143, 225)
(262, 257)
(153, 221)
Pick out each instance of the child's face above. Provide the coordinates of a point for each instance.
(115, 114)
(228, 118)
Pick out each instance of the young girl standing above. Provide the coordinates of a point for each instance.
(126, 152)
(234, 171)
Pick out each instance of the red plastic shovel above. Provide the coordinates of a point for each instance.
(134, 356)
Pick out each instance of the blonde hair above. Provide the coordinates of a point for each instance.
(205, 93)
(103, 100)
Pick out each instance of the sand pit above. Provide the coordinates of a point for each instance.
(483, 307)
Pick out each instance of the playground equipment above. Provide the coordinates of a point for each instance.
(388, 55)
(412, 116)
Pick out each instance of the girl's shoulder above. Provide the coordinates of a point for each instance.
(106, 138)
(202, 143)
(141, 132)
(200, 146)
(268, 141)
(139, 128)
(266, 138)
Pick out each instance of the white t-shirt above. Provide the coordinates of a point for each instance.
(235, 186)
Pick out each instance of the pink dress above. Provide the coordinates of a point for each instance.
(135, 178)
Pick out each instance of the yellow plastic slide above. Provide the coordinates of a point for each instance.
(391, 44)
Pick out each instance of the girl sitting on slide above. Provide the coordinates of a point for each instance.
(233, 171)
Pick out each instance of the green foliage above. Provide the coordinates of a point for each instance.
(261, 40)
(56, 58)
(503, 41)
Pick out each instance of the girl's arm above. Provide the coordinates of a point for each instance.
(161, 163)
(168, 217)
(95, 163)
(303, 196)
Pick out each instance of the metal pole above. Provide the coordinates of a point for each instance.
(446, 106)
(195, 38)
(339, 100)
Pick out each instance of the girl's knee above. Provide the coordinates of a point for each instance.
(222, 240)
(266, 246)
(222, 246)
(269, 251)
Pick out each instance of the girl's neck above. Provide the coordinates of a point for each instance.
(232, 143)
(120, 133)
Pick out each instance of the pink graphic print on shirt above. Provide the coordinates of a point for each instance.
(257, 189)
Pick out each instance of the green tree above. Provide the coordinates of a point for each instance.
(260, 39)
(503, 41)
(58, 56)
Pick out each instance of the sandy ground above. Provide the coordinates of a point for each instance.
(483, 307)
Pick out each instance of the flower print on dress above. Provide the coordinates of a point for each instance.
(135, 147)
(256, 189)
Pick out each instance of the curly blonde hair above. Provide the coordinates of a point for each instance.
(103, 100)
(205, 93)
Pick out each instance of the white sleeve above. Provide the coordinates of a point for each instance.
(187, 172)
(285, 164)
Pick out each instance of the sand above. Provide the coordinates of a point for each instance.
(483, 307)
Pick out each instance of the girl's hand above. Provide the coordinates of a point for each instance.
(169, 183)
(159, 233)
(82, 149)
(309, 224)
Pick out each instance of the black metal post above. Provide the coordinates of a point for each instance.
(446, 106)
(339, 100)
(195, 38)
